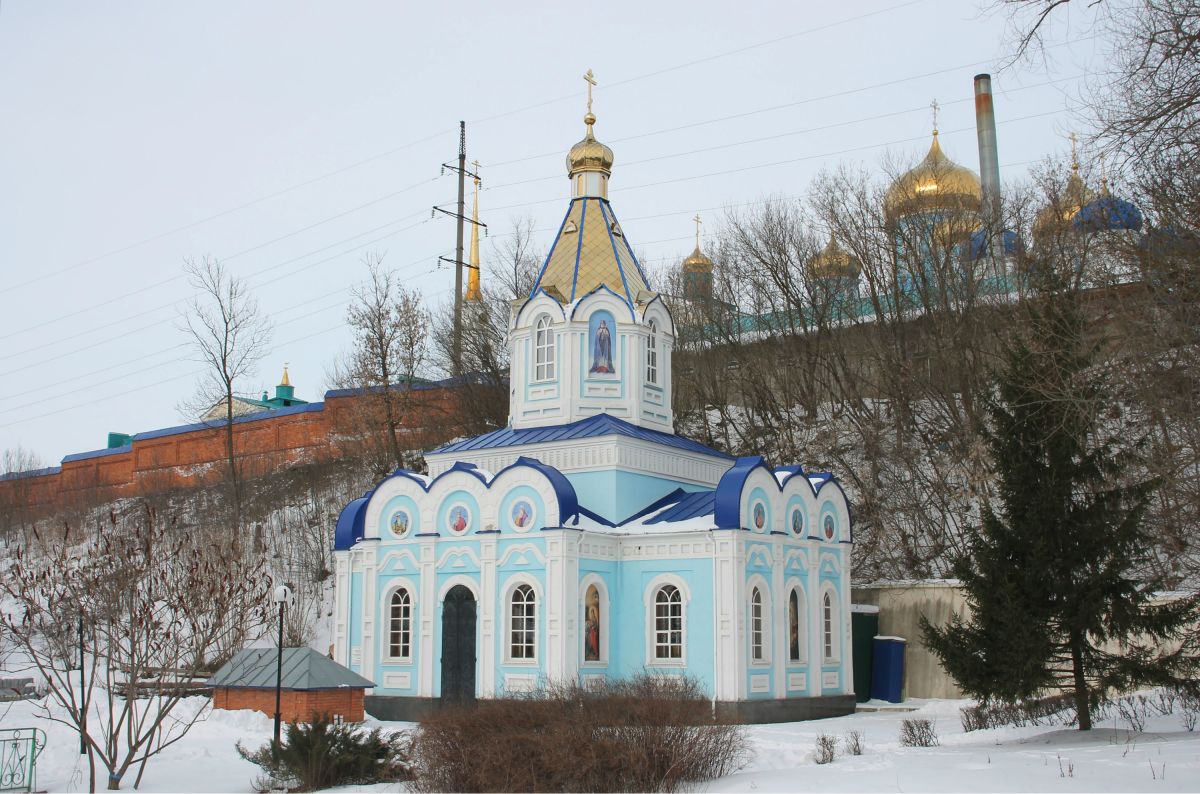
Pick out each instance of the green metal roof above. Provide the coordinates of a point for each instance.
(303, 668)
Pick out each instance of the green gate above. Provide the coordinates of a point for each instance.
(19, 749)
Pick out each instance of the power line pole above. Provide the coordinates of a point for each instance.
(461, 217)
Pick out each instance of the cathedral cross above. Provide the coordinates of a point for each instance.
(590, 79)
(934, 106)
(698, 222)
(1074, 154)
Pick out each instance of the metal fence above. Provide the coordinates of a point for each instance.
(19, 750)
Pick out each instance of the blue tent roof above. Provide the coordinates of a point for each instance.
(592, 427)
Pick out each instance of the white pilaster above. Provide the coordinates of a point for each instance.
(488, 616)
(429, 610)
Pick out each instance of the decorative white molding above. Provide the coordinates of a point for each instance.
(591, 454)
(760, 683)
(829, 681)
(397, 680)
(797, 681)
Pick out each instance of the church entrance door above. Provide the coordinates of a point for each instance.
(458, 645)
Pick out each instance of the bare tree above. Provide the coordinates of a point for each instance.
(391, 330)
(134, 612)
(16, 509)
(482, 399)
(229, 336)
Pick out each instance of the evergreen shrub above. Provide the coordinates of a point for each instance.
(323, 754)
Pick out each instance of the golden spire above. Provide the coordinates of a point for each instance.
(1074, 154)
(589, 155)
(590, 79)
(697, 262)
(934, 106)
(286, 381)
(473, 292)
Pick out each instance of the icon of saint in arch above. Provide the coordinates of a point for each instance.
(602, 362)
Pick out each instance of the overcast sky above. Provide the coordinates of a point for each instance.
(288, 139)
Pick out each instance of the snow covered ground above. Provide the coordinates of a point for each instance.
(1164, 757)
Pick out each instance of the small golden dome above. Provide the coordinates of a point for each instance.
(937, 183)
(834, 262)
(1059, 213)
(697, 262)
(589, 154)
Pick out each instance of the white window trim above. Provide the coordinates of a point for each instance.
(509, 589)
(758, 629)
(546, 370)
(835, 652)
(652, 354)
(385, 606)
(602, 590)
(650, 600)
(801, 623)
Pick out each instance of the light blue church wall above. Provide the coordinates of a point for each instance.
(634, 614)
(519, 561)
(832, 562)
(758, 574)
(616, 495)
(398, 568)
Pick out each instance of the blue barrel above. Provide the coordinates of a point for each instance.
(887, 669)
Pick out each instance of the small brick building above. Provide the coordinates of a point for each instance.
(312, 685)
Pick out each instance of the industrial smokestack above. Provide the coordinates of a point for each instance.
(989, 158)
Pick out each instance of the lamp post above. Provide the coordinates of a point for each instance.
(283, 594)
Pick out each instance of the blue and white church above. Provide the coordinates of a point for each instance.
(586, 540)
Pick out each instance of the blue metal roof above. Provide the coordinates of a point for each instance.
(690, 505)
(351, 523)
(97, 453)
(592, 427)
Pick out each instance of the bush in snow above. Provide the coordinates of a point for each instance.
(854, 742)
(826, 749)
(324, 754)
(648, 733)
(918, 733)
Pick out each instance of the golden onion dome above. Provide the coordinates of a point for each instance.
(834, 262)
(1059, 213)
(937, 183)
(589, 154)
(697, 262)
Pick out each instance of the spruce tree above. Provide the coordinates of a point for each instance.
(1053, 572)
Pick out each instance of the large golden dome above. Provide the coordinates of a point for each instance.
(589, 154)
(834, 262)
(937, 183)
(697, 262)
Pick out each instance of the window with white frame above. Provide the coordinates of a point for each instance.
(827, 627)
(543, 350)
(795, 624)
(652, 354)
(756, 625)
(523, 623)
(668, 623)
(400, 625)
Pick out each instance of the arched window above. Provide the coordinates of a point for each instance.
(544, 350)
(756, 625)
(828, 637)
(523, 623)
(652, 354)
(796, 635)
(668, 623)
(400, 625)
